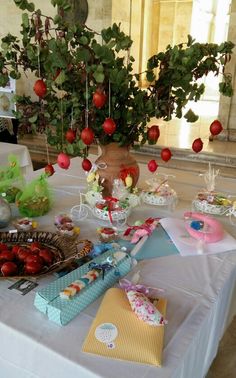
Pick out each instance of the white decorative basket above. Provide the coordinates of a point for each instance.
(92, 197)
(115, 214)
(134, 200)
(232, 215)
(157, 200)
(205, 207)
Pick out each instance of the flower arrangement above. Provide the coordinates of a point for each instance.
(87, 90)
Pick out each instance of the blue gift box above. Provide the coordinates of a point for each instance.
(61, 311)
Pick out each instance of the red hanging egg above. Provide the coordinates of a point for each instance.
(166, 154)
(197, 145)
(40, 88)
(153, 134)
(109, 126)
(49, 170)
(87, 135)
(216, 127)
(99, 99)
(152, 165)
(86, 165)
(63, 160)
(70, 136)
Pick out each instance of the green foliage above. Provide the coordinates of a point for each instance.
(69, 57)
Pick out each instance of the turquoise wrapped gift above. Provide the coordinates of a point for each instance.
(60, 310)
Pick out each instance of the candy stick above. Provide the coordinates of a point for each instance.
(76, 286)
(96, 269)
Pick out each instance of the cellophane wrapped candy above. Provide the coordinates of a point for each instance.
(35, 200)
(11, 179)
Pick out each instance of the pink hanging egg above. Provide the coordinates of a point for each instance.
(63, 160)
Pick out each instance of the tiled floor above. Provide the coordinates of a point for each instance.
(224, 365)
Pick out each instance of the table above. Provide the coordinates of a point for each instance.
(20, 151)
(199, 291)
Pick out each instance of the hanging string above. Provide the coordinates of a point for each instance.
(169, 103)
(72, 118)
(86, 98)
(156, 104)
(109, 99)
(130, 17)
(39, 61)
(62, 124)
(130, 28)
(47, 150)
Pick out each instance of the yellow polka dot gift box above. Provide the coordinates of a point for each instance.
(117, 332)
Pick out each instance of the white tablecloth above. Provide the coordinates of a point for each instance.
(20, 151)
(199, 291)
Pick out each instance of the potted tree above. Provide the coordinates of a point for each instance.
(87, 90)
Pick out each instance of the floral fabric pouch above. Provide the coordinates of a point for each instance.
(144, 309)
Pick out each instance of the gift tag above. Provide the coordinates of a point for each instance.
(106, 333)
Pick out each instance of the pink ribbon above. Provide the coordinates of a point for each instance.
(144, 229)
(146, 290)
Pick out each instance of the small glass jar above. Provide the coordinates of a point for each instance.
(65, 226)
(107, 234)
(25, 224)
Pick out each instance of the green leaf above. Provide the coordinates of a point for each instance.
(108, 57)
(4, 46)
(190, 40)
(15, 75)
(52, 140)
(150, 76)
(120, 77)
(83, 55)
(60, 78)
(52, 44)
(57, 19)
(100, 68)
(190, 116)
(70, 149)
(33, 119)
(81, 144)
(25, 20)
(30, 7)
(83, 40)
(111, 44)
(226, 89)
(99, 76)
(3, 80)
(107, 34)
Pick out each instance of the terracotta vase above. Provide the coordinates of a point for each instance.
(113, 162)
